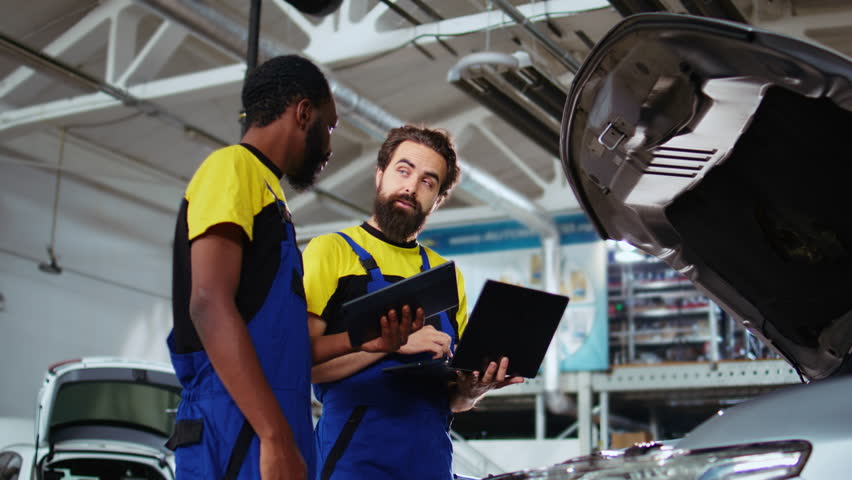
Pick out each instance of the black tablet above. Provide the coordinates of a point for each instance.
(435, 290)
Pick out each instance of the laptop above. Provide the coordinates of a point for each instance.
(435, 290)
(507, 321)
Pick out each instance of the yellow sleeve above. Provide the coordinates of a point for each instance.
(322, 259)
(223, 190)
(461, 314)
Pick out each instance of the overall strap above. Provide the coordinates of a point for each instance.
(425, 260)
(445, 325)
(284, 213)
(367, 261)
(282, 207)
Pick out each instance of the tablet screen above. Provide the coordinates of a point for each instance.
(435, 290)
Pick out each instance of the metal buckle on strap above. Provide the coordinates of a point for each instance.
(368, 263)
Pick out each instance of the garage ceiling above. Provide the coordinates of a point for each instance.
(124, 165)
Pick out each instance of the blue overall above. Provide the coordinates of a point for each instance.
(379, 426)
(212, 438)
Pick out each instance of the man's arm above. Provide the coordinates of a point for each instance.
(216, 258)
(425, 339)
(469, 388)
(394, 334)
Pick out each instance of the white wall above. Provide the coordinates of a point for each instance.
(112, 298)
(53, 318)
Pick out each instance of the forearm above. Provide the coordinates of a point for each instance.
(327, 347)
(343, 366)
(231, 351)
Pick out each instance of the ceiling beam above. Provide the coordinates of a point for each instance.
(189, 88)
(232, 37)
(154, 55)
(121, 44)
(363, 39)
(75, 45)
(799, 25)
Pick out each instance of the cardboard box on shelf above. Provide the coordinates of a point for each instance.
(628, 439)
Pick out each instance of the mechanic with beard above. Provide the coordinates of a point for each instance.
(377, 425)
(240, 343)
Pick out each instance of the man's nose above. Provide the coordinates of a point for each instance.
(411, 185)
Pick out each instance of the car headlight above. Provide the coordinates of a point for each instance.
(760, 461)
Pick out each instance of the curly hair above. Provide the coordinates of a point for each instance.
(278, 83)
(437, 139)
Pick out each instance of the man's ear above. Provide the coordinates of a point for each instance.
(304, 112)
(379, 173)
(438, 201)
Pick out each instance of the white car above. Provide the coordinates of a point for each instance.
(721, 149)
(99, 418)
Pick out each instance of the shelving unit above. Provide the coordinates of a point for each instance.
(656, 315)
(677, 358)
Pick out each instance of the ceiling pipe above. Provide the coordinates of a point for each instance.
(564, 57)
(222, 31)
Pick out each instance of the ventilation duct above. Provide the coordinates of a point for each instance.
(516, 90)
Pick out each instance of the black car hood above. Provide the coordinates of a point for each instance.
(721, 149)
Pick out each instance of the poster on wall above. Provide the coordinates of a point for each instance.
(509, 252)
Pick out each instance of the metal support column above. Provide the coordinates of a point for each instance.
(253, 36)
(604, 419)
(252, 43)
(596, 439)
(713, 320)
(584, 411)
(540, 411)
(732, 338)
(654, 423)
(627, 280)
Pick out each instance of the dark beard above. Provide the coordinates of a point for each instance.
(315, 160)
(397, 224)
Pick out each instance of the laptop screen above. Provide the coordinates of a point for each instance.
(510, 321)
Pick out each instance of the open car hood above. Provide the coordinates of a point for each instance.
(127, 404)
(721, 149)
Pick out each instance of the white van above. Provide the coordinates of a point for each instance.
(99, 418)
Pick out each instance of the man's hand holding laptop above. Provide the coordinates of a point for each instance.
(469, 387)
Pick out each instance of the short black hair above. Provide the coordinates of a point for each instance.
(278, 83)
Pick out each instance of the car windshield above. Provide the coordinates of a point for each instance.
(124, 404)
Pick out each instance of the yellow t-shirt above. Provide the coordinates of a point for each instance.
(334, 274)
(238, 185)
